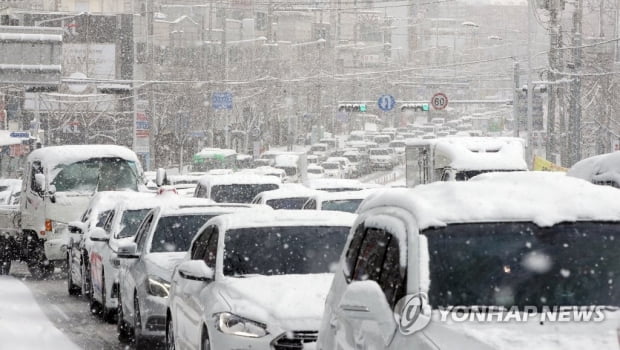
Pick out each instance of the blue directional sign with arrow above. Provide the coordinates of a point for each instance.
(386, 102)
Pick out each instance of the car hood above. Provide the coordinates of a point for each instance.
(163, 264)
(289, 302)
(511, 335)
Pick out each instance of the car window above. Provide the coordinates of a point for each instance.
(311, 204)
(102, 218)
(210, 254)
(143, 231)
(378, 259)
(200, 244)
(108, 224)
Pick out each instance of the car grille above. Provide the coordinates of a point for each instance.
(294, 340)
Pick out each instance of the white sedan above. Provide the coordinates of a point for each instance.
(255, 281)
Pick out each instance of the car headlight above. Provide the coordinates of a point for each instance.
(228, 323)
(158, 287)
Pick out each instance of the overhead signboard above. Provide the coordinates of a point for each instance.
(222, 100)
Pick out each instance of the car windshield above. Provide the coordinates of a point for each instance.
(287, 203)
(289, 170)
(283, 250)
(318, 148)
(97, 174)
(346, 205)
(130, 222)
(519, 264)
(239, 193)
(351, 158)
(175, 233)
(379, 152)
(330, 166)
(397, 144)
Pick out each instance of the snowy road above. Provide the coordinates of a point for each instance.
(69, 314)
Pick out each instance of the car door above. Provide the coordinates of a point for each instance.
(98, 256)
(33, 208)
(126, 277)
(196, 290)
(185, 319)
(373, 260)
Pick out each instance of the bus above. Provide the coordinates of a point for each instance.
(214, 158)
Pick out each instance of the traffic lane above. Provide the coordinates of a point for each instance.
(71, 315)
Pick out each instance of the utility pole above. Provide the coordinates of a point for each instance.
(530, 87)
(210, 116)
(515, 101)
(552, 77)
(150, 77)
(574, 121)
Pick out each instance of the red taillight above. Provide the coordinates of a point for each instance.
(48, 225)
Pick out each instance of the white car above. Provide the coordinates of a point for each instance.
(120, 227)
(77, 237)
(458, 266)
(240, 187)
(381, 158)
(347, 167)
(339, 185)
(147, 263)
(315, 171)
(291, 197)
(333, 170)
(255, 281)
(337, 201)
(320, 150)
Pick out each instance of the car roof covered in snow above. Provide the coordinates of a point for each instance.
(245, 177)
(213, 152)
(322, 196)
(601, 168)
(544, 198)
(479, 153)
(319, 184)
(288, 192)
(190, 206)
(68, 154)
(283, 218)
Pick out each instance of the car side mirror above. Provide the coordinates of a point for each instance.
(196, 270)
(98, 234)
(76, 227)
(128, 250)
(39, 179)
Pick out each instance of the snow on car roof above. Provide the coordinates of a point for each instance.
(601, 168)
(107, 200)
(318, 184)
(288, 192)
(287, 160)
(322, 196)
(187, 206)
(541, 197)
(245, 177)
(283, 218)
(54, 155)
(479, 153)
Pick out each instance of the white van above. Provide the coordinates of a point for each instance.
(236, 188)
(433, 267)
(58, 184)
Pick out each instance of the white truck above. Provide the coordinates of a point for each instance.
(58, 183)
(461, 158)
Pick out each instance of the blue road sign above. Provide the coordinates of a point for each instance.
(222, 100)
(20, 134)
(386, 102)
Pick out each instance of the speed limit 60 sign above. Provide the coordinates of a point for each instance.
(439, 101)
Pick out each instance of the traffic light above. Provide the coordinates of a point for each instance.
(352, 107)
(420, 107)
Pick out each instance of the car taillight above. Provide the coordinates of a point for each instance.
(48, 225)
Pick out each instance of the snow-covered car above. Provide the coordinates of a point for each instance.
(184, 184)
(333, 170)
(381, 158)
(120, 227)
(312, 159)
(315, 171)
(434, 266)
(603, 169)
(77, 237)
(291, 197)
(240, 187)
(357, 162)
(320, 150)
(337, 201)
(255, 281)
(339, 185)
(10, 191)
(347, 168)
(280, 174)
(147, 263)
(399, 147)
